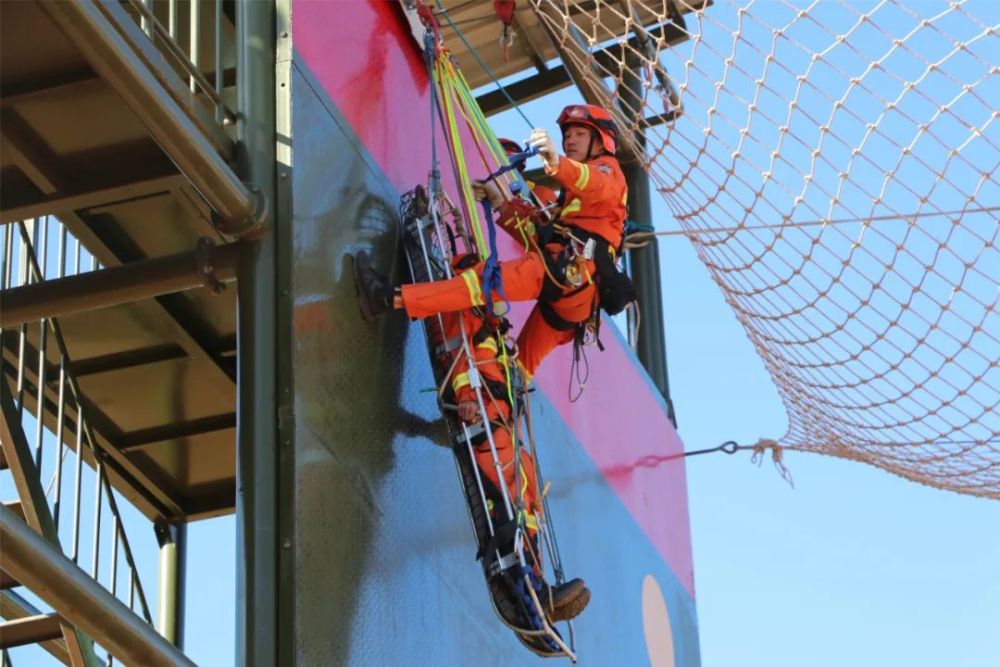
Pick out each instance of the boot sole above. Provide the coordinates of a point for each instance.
(571, 609)
(363, 304)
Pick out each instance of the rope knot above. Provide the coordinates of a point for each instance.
(777, 456)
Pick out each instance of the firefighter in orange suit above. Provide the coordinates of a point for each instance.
(566, 260)
(490, 360)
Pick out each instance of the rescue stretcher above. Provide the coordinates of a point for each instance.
(431, 229)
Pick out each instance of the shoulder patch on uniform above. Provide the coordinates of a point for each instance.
(604, 169)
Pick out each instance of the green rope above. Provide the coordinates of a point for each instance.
(483, 65)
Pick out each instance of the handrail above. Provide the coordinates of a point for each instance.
(83, 424)
(81, 600)
(238, 208)
(229, 116)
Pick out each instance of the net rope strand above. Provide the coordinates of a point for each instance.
(835, 168)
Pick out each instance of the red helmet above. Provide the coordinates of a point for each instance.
(594, 117)
(510, 146)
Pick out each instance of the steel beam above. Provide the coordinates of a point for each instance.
(239, 209)
(60, 86)
(81, 600)
(158, 434)
(532, 49)
(87, 197)
(30, 630)
(209, 266)
(645, 262)
(524, 90)
(116, 361)
(7, 581)
(30, 153)
(142, 490)
(142, 356)
(197, 347)
(555, 78)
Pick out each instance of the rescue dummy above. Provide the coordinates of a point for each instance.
(569, 265)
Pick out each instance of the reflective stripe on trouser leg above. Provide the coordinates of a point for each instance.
(505, 453)
(522, 281)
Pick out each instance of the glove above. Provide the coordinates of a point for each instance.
(541, 140)
(468, 411)
(483, 189)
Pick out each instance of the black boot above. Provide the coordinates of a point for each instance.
(375, 293)
(564, 601)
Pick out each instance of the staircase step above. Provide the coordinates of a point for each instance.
(30, 630)
(14, 607)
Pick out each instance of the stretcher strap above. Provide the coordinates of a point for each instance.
(492, 279)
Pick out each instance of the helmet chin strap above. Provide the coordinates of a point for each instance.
(590, 146)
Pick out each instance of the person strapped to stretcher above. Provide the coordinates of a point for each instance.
(489, 368)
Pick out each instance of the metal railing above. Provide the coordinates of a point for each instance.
(189, 63)
(164, 86)
(50, 406)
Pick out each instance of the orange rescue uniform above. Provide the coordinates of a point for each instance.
(594, 196)
(520, 477)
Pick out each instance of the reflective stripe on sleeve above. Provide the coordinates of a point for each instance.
(571, 207)
(472, 284)
(461, 380)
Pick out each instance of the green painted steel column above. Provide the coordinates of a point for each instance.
(172, 538)
(645, 262)
(257, 615)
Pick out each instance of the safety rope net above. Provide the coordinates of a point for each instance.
(835, 166)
